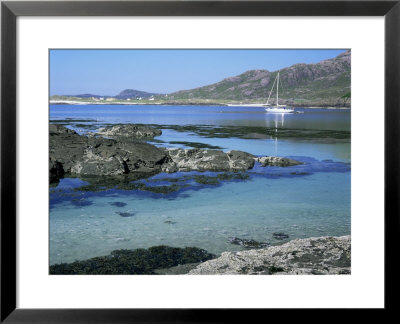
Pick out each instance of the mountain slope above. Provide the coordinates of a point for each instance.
(323, 83)
(130, 93)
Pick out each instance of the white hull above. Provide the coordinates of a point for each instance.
(246, 105)
(279, 110)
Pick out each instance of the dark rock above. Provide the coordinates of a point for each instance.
(76, 155)
(248, 243)
(85, 156)
(58, 129)
(169, 222)
(277, 161)
(56, 171)
(280, 236)
(239, 160)
(81, 202)
(118, 204)
(125, 214)
(130, 130)
(210, 160)
(300, 173)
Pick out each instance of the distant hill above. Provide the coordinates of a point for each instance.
(130, 93)
(323, 84)
(125, 94)
(88, 95)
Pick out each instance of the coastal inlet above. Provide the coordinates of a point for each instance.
(210, 179)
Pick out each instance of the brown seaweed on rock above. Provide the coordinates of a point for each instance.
(139, 261)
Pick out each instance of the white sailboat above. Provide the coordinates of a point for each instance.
(282, 109)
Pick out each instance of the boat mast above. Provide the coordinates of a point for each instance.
(273, 84)
(277, 90)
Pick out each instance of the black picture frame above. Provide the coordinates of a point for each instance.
(10, 10)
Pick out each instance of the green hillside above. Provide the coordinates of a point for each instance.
(326, 83)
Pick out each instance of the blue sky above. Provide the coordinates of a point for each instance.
(108, 72)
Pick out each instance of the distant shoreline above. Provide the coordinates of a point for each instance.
(80, 103)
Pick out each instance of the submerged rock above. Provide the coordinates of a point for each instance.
(118, 204)
(277, 161)
(280, 236)
(130, 130)
(323, 255)
(125, 214)
(169, 222)
(248, 243)
(81, 202)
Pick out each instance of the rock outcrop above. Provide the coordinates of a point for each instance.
(129, 131)
(323, 255)
(210, 160)
(81, 155)
(71, 153)
(277, 161)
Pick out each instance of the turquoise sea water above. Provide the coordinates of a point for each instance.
(303, 201)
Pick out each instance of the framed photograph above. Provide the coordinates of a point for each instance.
(163, 159)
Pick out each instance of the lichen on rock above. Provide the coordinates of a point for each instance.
(323, 255)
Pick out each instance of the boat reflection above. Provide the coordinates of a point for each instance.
(275, 121)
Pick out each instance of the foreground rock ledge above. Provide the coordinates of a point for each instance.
(323, 255)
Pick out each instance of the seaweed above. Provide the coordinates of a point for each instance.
(197, 145)
(139, 261)
(117, 204)
(251, 132)
(210, 180)
(273, 269)
(82, 202)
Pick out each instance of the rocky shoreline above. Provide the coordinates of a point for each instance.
(123, 152)
(311, 256)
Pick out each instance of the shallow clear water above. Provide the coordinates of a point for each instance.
(303, 201)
